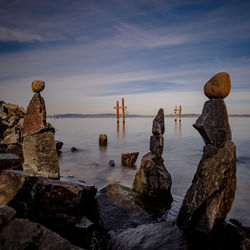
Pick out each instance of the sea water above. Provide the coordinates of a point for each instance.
(182, 152)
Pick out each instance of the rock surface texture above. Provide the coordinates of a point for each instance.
(218, 86)
(39, 149)
(152, 179)
(211, 194)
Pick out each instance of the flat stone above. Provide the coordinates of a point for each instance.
(103, 140)
(40, 157)
(211, 194)
(156, 145)
(213, 123)
(35, 118)
(37, 86)
(9, 161)
(158, 123)
(218, 86)
(153, 180)
(128, 160)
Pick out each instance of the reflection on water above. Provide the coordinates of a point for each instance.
(182, 153)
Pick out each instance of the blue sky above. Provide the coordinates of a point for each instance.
(153, 53)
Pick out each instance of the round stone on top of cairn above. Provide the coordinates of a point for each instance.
(218, 86)
(38, 86)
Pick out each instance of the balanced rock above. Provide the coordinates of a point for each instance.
(40, 157)
(35, 118)
(211, 194)
(128, 160)
(153, 180)
(103, 140)
(213, 123)
(158, 123)
(218, 86)
(156, 145)
(37, 86)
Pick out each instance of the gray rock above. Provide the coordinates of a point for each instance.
(153, 180)
(156, 145)
(211, 194)
(111, 163)
(213, 123)
(158, 123)
(40, 157)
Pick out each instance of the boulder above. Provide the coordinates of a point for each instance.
(158, 123)
(103, 140)
(156, 145)
(10, 136)
(213, 123)
(9, 161)
(211, 194)
(218, 86)
(37, 86)
(128, 160)
(8, 109)
(40, 158)
(24, 234)
(153, 180)
(6, 214)
(35, 118)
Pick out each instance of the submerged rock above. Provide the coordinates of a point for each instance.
(103, 140)
(153, 180)
(128, 160)
(40, 158)
(218, 86)
(73, 149)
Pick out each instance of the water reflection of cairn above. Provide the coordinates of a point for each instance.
(211, 194)
(152, 179)
(39, 150)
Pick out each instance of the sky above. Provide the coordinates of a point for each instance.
(154, 53)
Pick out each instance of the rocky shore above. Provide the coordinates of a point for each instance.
(39, 209)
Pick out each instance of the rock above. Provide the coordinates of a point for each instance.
(117, 208)
(9, 109)
(150, 236)
(10, 136)
(153, 180)
(3, 127)
(40, 158)
(128, 160)
(35, 118)
(156, 145)
(103, 140)
(3, 148)
(73, 149)
(16, 149)
(37, 86)
(6, 214)
(59, 145)
(218, 86)
(213, 123)
(211, 194)
(9, 161)
(13, 121)
(23, 234)
(158, 123)
(111, 163)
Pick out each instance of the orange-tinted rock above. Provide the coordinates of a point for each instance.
(128, 160)
(35, 118)
(218, 86)
(38, 85)
(103, 140)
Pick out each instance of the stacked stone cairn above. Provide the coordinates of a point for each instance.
(211, 194)
(152, 179)
(39, 150)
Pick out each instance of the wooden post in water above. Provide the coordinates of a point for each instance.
(175, 113)
(124, 108)
(117, 111)
(180, 109)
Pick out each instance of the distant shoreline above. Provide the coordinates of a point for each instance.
(131, 116)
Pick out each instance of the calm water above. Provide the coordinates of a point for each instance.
(182, 153)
